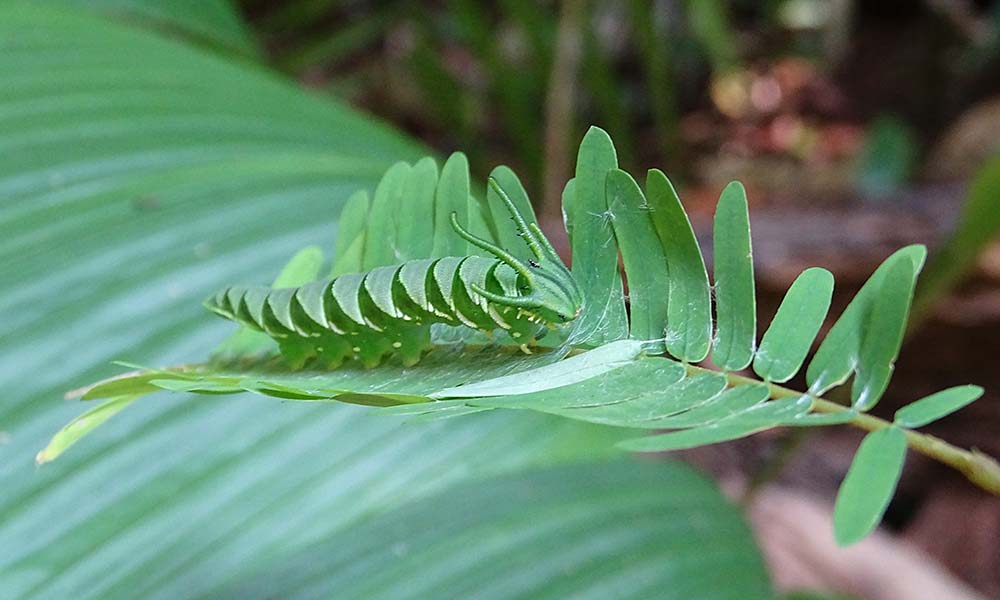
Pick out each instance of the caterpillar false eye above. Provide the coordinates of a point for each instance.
(390, 309)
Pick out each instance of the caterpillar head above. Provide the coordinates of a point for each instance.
(547, 289)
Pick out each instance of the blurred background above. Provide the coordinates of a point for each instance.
(818, 100)
(857, 127)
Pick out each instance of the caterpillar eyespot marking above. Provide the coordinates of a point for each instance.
(367, 316)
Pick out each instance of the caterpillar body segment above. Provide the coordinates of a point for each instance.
(389, 310)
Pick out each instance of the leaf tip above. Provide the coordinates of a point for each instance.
(918, 254)
(846, 538)
(824, 275)
(734, 191)
(594, 130)
(456, 160)
(45, 456)
(594, 140)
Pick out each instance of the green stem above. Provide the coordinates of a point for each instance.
(981, 469)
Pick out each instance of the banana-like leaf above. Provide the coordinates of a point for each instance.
(604, 532)
(137, 173)
(613, 382)
(213, 21)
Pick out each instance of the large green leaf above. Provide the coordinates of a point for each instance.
(615, 531)
(409, 216)
(215, 21)
(137, 175)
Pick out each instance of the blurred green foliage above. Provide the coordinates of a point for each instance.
(478, 76)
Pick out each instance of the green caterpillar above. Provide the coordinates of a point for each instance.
(390, 309)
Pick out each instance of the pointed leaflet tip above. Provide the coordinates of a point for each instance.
(596, 132)
(839, 353)
(79, 427)
(882, 335)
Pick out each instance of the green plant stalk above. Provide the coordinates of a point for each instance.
(981, 469)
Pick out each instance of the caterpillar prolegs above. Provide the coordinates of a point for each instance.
(390, 309)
